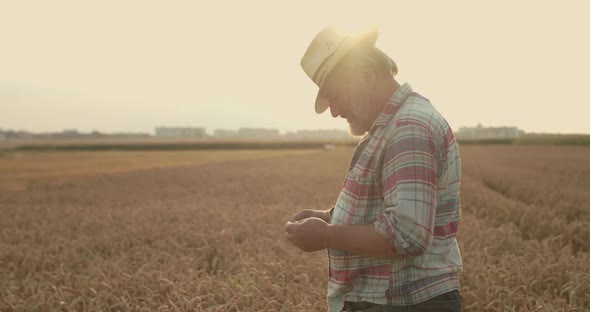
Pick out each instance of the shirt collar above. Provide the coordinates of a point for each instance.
(393, 104)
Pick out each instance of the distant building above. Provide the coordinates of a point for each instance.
(70, 133)
(224, 133)
(487, 133)
(321, 134)
(123, 134)
(258, 133)
(11, 134)
(180, 132)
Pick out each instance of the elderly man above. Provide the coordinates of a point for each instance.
(391, 237)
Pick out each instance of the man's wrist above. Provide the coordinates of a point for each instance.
(329, 213)
(328, 236)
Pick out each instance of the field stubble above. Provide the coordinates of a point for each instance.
(209, 236)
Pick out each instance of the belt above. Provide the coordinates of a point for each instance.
(364, 305)
(358, 306)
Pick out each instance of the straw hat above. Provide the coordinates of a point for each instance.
(325, 51)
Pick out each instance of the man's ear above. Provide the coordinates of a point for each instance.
(368, 75)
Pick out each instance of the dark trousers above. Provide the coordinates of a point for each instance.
(447, 302)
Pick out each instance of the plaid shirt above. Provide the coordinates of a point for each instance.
(404, 179)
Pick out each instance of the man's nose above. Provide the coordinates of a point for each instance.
(334, 110)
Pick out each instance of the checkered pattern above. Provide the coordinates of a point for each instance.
(404, 178)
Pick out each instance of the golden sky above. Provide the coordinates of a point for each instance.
(134, 65)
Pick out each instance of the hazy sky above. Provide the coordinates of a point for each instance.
(134, 65)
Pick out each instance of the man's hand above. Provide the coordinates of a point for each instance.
(309, 234)
(310, 213)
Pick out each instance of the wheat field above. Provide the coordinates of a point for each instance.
(199, 231)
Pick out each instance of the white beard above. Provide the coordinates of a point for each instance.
(356, 130)
(360, 117)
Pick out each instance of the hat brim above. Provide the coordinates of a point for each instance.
(368, 36)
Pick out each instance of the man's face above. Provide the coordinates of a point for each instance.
(350, 99)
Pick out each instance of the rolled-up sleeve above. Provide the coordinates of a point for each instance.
(408, 180)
